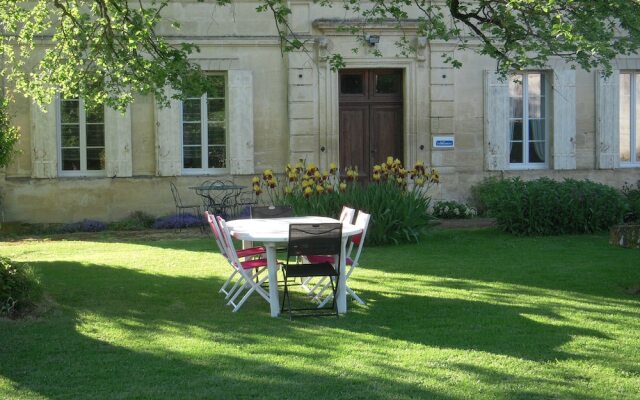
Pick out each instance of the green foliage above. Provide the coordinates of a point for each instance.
(519, 34)
(135, 221)
(397, 215)
(547, 207)
(633, 201)
(396, 199)
(103, 51)
(20, 288)
(9, 135)
(453, 210)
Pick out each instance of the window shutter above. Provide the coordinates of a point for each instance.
(168, 141)
(564, 119)
(607, 120)
(240, 122)
(496, 121)
(44, 151)
(117, 127)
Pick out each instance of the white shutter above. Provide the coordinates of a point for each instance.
(607, 120)
(564, 119)
(496, 121)
(44, 151)
(117, 127)
(240, 126)
(168, 142)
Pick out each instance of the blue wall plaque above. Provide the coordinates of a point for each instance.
(444, 142)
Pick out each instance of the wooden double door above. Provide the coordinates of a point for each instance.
(371, 117)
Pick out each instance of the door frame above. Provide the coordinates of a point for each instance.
(415, 107)
(371, 148)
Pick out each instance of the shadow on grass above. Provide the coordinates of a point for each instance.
(584, 264)
(467, 325)
(79, 351)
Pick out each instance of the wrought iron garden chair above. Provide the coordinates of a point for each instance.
(181, 208)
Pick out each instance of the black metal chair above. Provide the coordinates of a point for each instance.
(271, 212)
(181, 208)
(312, 240)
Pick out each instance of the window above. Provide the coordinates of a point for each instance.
(81, 139)
(528, 144)
(629, 118)
(204, 130)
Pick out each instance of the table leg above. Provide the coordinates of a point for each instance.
(341, 295)
(272, 266)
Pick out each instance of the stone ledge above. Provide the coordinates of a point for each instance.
(466, 223)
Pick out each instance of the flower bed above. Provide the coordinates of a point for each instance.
(397, 198)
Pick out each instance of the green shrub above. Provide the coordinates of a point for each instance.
(397, 215)
(20, 288)
(396, 198)
(547, 207)
(633, 201)
(136, 221)
(453, 209)
(9, 135)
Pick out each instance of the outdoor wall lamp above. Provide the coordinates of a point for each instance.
(372, 40)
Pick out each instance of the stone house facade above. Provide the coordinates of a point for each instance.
(273, 108)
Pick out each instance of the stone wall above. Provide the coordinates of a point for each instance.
(295, 115)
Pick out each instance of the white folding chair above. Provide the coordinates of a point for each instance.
(357, 244)
(243, 253)
(248, 271)
(347, 214)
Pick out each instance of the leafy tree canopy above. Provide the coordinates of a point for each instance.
(106, 50)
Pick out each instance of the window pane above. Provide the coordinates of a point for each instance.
(351, 84)
(217, 134)
(192, 157)
(70, 159)
(216, 110)
(191, 110)
(95, 159)
(536, 152)
(217, 157)
(625, 117)
(69, 110)
(515, 96)
(217, 81)
(95, 135)
(70, 135)
(534, 84)
(388, 84)
(515, 155)
(536, 107)
(537, 129)
(191, 134)
(516, 130)
(95, 114)
(536, 95)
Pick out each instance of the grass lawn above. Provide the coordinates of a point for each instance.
(466, 314)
